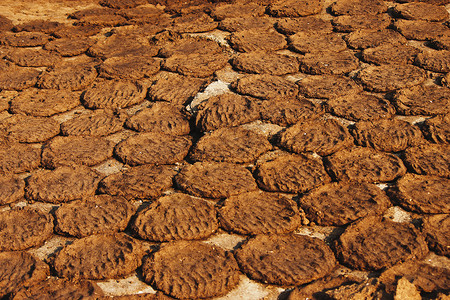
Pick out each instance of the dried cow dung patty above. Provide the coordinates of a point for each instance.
(189, 46)
(18, 78)
(27, 129)
(374, 244)
(291, 173)
(70, 46)
(44, 103)
(57, 288)
(11, 189)
(93, 215)
(421, 11)
(429, 159)
(305, 42)
(23, 228)
(230, 10)
(99, 122)
(226, 110)
(420, 30)
(265, 86)
(422, 193)
(122, 45)
(364, 165)
(257, 39)
(68, 76)
(390, 135)
(192, 22)
(197, 65)
(45, 26)
(349, 23)
(191, 270)
(76, 150)
(5, 23)
(73, 32)
(388, 54)
(18, 158)
(355, 7)
(437, 231)
(99, 256)
(142, 182)
(294, 8)
(340, 203)
(215, 180)
(370, 38)
(235, 144)
(328, 63)
(153, 148)
(437, 129)
(262, 62)
(160, 117)
(304, 24)
(176, 217)
(20, 269)
(24, 39)
(235, 24)
(321, 136)
(434, 60)
(131, 67)
(288, 259)
(260, 213)
(388, 78)
(113, 94)
(63, 184)
(327, 86)
(33, 57)
(122, 3)
(429, 100)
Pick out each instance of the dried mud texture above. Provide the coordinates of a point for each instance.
(389, 135)
(63, 184)
(294, 8)
(364, 165)
(176, 217)
(305, 42)
(422, 193)
(232, 10)
(275, 259)
(191, 270)
(260, 213)
(285, 112)
(44, 103)
(425, 276)
(429, 159)
(340, 203)
(437, 129)
(262, 62)
(56, 288)
(131, 67)
(388, 78)
(11, 189)
(257, 39)
(327, 86)
(420, 30)
(437, 233)
(18, 270)
(265, 87)
(27, 129)
(18, 158)
(387, 54)
(360, 107)
(33, 57)
(374, 244)
(174, 88)
(355, 7)
(99, 256)
(23, 228)
(421, 11)
(93, 215)
(113, 94)
(122, 45)
(153, 148)
(323, 137)
(215, 180)
(142, 182)
(305, 24)
(70, 46)
(350, 23)
(235, 24)
(433, 60)
(235, 145)
(226, 110)
(18, 78)
(328, 63)
(429, 100)
(369, 38)
(196, 65)
(73, 77)
(99, 122)
(24, 39)
(291, 173)
(76, 150)
(160, 117)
